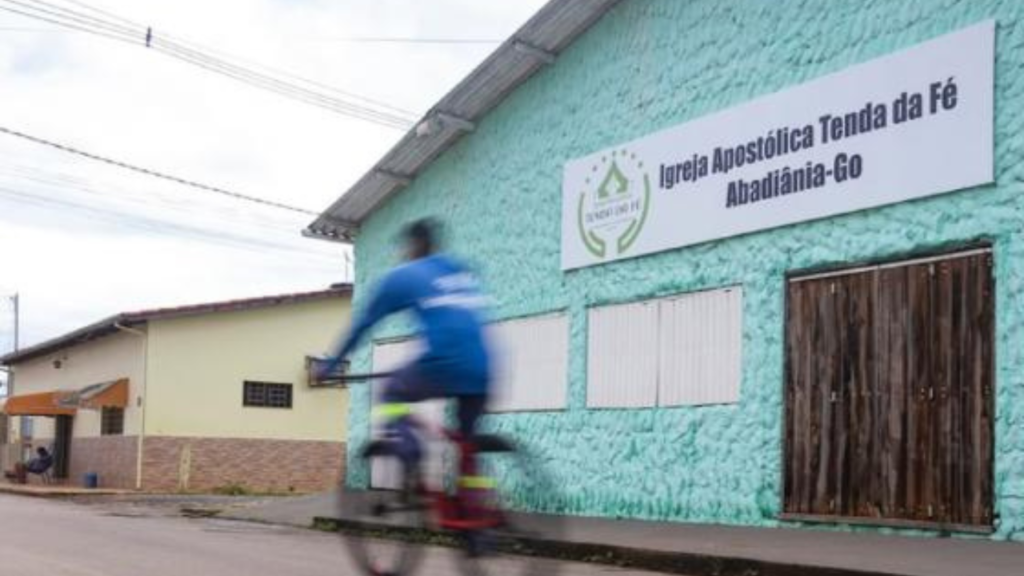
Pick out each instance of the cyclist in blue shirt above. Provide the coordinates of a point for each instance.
(446, 299)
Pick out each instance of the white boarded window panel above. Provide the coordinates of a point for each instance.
(700, 348)
(622, 356)
(387, 357)
(532, 356)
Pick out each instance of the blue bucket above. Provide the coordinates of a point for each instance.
(91, 480)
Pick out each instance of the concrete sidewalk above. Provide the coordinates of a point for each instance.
(300, 511)
(803, 551)
(56, 490)
(697, 550)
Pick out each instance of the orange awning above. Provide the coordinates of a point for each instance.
(41, 404)
(112, 394)
(107, 395)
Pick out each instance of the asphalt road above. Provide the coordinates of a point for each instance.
(57, 538)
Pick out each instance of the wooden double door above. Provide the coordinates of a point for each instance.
(889, 394)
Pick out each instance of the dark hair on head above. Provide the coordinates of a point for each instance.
(425, 233)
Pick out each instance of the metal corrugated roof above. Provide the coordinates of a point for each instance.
(536, 44)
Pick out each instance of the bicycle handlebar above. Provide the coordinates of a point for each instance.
(347, 378)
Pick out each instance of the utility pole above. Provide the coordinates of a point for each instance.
(5, 435)
(15, 305)
(16, 302)
(17, 323)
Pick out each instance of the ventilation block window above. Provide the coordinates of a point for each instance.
(267, 395)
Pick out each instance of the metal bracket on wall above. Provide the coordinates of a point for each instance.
(394, 177)
(456, 122)
(535, 52)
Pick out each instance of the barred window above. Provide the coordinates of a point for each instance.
(267, 395)
(112, 421)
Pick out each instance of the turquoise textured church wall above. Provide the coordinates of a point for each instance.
(648, 65)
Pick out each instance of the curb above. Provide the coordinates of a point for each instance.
(60, 494)
(683, 563)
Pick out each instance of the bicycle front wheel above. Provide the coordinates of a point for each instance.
(381, 524)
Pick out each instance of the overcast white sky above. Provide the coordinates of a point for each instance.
(80, 240)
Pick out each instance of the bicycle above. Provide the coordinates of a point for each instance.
(387, 530)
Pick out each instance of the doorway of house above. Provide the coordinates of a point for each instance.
(62, 446)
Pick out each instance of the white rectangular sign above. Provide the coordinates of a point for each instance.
(911, 124)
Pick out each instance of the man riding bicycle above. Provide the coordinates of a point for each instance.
(446, 299)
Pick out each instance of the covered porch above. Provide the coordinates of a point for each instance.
(61, 406)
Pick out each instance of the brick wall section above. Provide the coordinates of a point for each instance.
(113, 458)
(202, 464)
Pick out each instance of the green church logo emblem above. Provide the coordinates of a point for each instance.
(613, 206)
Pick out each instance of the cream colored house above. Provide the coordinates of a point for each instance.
(190, 398)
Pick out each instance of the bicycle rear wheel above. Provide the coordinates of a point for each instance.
(381, 524)
(523, 542)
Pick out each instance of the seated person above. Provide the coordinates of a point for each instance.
(42, 462)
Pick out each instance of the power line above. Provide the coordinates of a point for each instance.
(137, 34)
(160, 175)
(26, 29)
(401, 111)
(150, 213)
(57, 12)
(342, 39)
(179, 50)
(156, 174)
(99, 10)
(125, 30)
(68, 25)
(143, 203)
(154, 226)
(164, 206)
(266, 82)
(223, 54)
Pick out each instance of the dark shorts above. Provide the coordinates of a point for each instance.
(414, 384)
